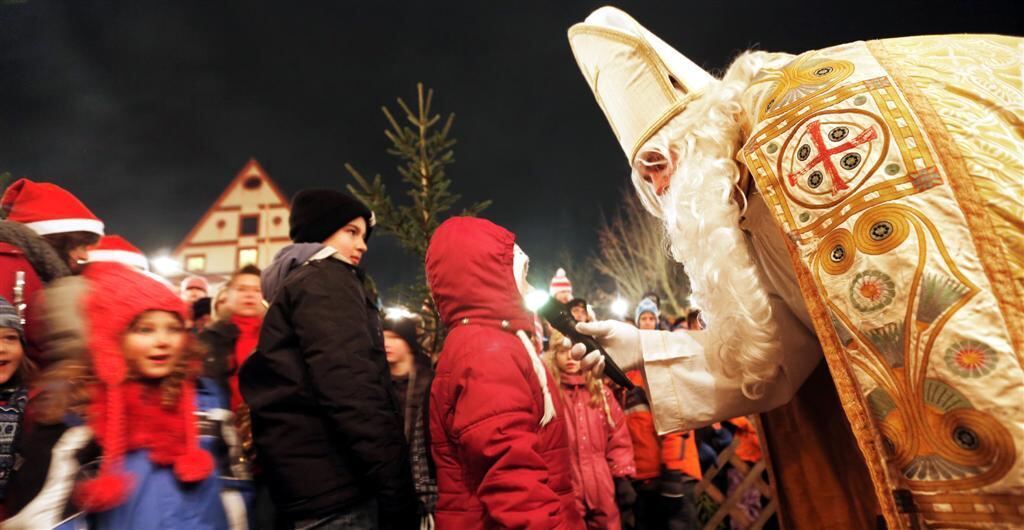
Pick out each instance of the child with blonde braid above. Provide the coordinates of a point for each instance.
(601, 448)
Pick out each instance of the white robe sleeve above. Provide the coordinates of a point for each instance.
(688, 390)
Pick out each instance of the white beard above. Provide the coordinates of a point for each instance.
(702, 223)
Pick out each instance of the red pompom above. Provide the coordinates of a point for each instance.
(103, 492)
(193, 466)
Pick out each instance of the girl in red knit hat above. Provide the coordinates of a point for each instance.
(116, 437)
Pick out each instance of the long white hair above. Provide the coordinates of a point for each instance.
(702, 224)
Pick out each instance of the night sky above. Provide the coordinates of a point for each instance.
(146, 110)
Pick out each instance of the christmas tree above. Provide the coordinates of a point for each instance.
(424, 148)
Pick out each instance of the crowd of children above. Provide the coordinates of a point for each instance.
(287, 399)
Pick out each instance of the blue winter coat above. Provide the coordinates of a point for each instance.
(158, 501)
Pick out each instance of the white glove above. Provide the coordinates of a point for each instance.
(620, 340)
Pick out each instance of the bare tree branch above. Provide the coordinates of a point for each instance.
(633, 251)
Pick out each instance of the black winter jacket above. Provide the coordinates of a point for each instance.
(416, 417)
(325, 422)
(218, 340)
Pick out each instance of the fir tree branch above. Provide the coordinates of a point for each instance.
(422, 149)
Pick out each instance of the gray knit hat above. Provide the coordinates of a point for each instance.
(9, 316)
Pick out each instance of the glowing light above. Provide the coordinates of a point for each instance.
(619, 307)
(165, 265)
(398, 313)
(535, 299)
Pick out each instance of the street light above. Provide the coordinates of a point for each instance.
(398, 313)
(619, 307)
(165, 265)
(535, 299)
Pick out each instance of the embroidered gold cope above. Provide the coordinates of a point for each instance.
(895, 170)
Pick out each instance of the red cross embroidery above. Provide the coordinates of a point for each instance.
(825, 154)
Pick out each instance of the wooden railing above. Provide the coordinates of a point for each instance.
(728, 505)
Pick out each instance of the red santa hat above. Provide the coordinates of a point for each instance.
(119, 250)
(48, 209)
(560, 282)
(116, 249)
(120, 295)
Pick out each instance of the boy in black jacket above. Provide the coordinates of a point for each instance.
(325, 424)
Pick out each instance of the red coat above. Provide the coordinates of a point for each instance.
(600, 451)
(12, 260)
(497, 467)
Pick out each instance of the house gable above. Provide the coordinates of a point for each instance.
(249, 219)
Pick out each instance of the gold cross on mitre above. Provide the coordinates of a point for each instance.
(644, 82)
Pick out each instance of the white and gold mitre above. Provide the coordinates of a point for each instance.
(639, 81)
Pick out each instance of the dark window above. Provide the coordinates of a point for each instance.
(252, 183)
(250, 225)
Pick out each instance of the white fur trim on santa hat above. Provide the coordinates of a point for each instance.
(127, 257)
(61, 226)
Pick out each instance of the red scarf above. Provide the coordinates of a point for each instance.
(140, 422)
(151, 426)
(248, 337)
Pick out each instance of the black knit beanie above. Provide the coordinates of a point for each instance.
(318, 213)
(405, 328)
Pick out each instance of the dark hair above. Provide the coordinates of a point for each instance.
(577, 302)
(65, 242)
(249, 269)
(201, 308)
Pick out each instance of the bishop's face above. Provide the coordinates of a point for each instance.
(656, 171)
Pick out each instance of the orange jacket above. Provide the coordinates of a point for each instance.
(749, 449)
(679, 452)
(646, 449)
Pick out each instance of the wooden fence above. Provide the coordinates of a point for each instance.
(728, 505)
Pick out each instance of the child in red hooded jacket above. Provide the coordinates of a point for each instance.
(498, 434)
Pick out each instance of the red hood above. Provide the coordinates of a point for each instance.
(469, 269)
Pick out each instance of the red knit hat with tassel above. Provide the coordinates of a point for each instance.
(117, 296)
